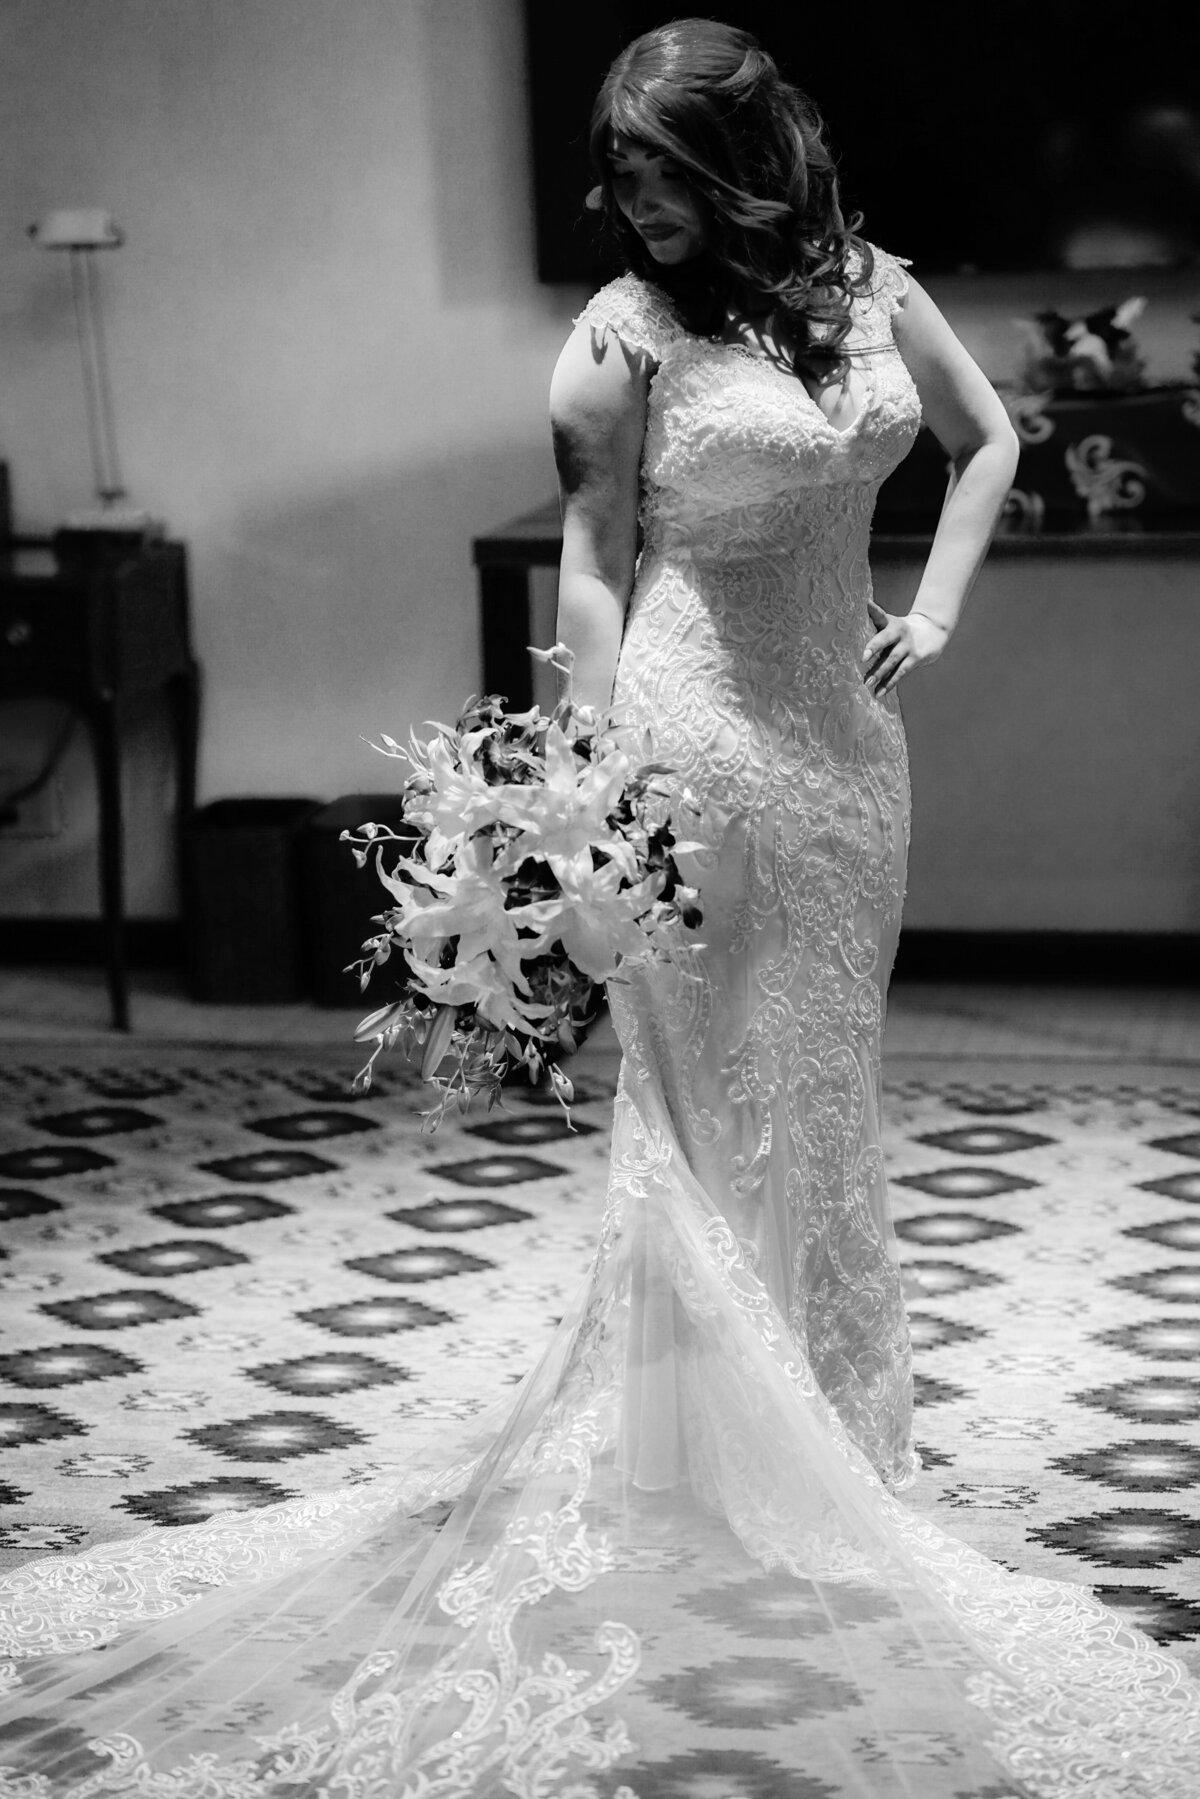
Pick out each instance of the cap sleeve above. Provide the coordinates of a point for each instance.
(637, 313)
(889, 283)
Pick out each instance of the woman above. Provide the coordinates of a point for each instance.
(765, 369)
(675, 1566)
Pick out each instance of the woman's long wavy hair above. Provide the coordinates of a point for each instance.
(753, 148)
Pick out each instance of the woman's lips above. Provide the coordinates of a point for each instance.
(657, 233)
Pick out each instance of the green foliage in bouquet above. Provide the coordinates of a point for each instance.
(536, 859)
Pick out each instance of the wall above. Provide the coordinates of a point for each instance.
(1055, 750)
(330, 360)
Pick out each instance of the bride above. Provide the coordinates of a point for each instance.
(676, 1567)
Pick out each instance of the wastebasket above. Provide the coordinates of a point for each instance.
(341, 898)
(245, 932)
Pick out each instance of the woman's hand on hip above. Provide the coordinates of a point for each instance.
(900, 645)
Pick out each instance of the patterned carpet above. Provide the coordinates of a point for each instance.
(227, 1281)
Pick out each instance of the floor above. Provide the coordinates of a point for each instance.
(202, 1315)
(1058, 1412)
(1116, 1030)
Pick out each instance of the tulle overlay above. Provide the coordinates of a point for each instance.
(676, 1564)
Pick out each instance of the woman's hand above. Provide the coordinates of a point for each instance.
(899, 645)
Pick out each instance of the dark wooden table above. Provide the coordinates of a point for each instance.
(98, 625)
(506, 556)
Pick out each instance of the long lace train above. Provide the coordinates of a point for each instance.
(533, 1621)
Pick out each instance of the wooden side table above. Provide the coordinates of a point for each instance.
(97, 624)
(504, 558)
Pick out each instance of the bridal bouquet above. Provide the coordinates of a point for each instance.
(535, 859)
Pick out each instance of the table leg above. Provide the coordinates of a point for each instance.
(506, 629)
(106, 751)
(183, 694)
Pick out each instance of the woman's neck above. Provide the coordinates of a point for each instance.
(697, 293)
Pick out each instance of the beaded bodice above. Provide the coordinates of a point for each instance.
(729, 431)
(755, 515)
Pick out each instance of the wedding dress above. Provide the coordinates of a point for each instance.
(676, 1566)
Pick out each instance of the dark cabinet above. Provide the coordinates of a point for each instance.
(97, 621)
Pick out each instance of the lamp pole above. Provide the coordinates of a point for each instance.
(93, 352)
(81, 231)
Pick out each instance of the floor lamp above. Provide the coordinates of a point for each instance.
(81, 232)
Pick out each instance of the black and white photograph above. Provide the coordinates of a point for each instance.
(599, 900)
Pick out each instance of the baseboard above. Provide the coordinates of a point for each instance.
(1051, 958)
(1035, 958)
(79, 942)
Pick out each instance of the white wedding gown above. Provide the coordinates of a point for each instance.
(675, 1567)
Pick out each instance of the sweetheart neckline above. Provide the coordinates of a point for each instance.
(692, 339)
(720, 343)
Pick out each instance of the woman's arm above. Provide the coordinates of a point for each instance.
(968, 419)
(598, 416)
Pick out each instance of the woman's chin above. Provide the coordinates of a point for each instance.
(671, 251)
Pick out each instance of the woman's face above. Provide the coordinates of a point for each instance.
(654, 195)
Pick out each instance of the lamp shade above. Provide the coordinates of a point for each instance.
(77, 228)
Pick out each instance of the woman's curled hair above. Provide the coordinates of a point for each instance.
(753, 149)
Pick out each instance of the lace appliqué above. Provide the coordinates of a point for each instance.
(742, 654)
(641, 316)
(59, 1606)
(890, 283)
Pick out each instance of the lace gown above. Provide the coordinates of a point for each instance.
(676, 1566)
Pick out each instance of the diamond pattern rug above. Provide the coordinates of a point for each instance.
(227, 1281)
